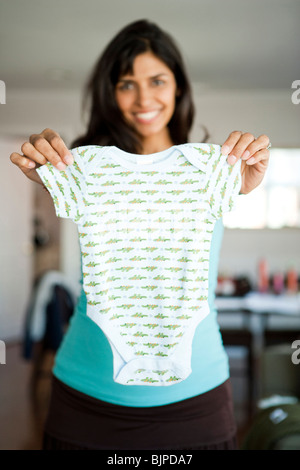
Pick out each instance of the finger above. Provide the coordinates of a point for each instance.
(260, 156)
(230, 142)
(58, 144)
(45, 149)
(260, 143)
(239, 149)
(24, 163)
(27, 166)
(32, 153)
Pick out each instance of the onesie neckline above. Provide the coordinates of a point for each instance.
(157, 161)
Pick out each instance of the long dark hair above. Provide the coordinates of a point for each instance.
(106, 124)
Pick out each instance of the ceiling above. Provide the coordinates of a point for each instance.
(234, 44)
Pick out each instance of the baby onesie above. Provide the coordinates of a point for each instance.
(145, 224)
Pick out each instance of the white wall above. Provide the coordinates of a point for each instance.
(261, 112)
(222, 111)
(16, 250)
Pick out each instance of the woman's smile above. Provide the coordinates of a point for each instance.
(146, 116)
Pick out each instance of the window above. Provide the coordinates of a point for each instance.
(276, 202)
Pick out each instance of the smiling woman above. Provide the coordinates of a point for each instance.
(147, 99)
(142, 365)
(140, 71)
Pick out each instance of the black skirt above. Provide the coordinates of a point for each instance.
(79, 422)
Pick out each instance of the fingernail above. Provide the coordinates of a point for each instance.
(61, 166)
(31, 164)
(250, 161)
(245, 155)
(69, 160)
(231, 159)
(225, 150)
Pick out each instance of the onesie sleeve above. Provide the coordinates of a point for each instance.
(68, 187)
(223, 182)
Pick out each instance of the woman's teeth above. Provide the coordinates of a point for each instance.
(147, 116)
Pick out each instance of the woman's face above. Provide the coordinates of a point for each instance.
(147, 97)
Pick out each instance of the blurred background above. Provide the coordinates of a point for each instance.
(244, 63)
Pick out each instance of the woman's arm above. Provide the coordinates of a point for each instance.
(45, 147)
(254, 154)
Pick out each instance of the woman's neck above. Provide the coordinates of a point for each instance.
(156, 143)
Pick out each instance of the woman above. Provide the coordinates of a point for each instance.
(140, 102)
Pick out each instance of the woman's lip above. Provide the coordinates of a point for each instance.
(146, 116)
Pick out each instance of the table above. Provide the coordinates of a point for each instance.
(255, 321)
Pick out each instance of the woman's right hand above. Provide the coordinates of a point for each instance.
(41, 148)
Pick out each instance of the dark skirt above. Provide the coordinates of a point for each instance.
(79, 422)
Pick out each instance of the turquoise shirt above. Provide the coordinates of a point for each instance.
(85, 361)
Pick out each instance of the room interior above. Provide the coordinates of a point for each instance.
(245, 71)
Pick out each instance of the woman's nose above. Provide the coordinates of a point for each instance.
(144, 96)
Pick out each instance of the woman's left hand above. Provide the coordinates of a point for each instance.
(254, 154)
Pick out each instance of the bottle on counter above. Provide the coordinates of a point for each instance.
(292, 280)
(263, 276)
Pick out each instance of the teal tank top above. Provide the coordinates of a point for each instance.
(85, 360)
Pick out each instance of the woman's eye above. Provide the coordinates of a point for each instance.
(158, 82)
(125, 86)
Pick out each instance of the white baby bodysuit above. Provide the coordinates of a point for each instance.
(145, 225)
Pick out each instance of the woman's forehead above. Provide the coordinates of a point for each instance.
(148, 65)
